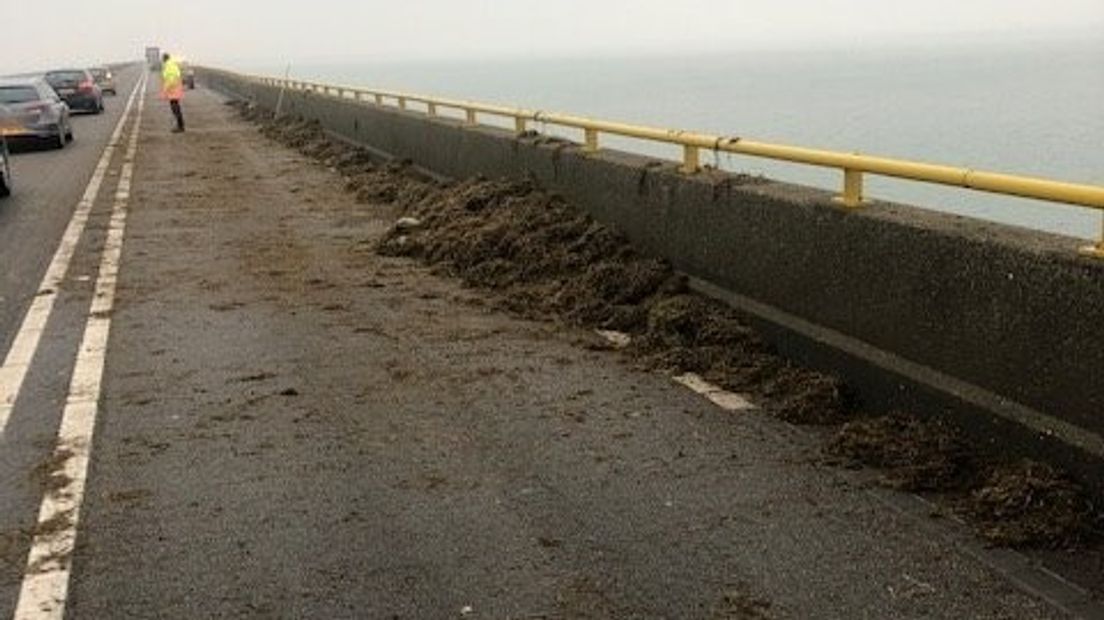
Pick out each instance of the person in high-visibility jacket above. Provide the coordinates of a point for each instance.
(172, 88)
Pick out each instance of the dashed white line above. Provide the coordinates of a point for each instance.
(45, 585)
(23, 348)
(729, 401)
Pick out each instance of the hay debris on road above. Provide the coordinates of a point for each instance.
(1029, 504)
(913, 454)
(545, 259)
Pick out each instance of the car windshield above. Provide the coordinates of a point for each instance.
(98, 73)
(18, 94)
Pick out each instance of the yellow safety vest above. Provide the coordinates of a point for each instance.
(172, 84)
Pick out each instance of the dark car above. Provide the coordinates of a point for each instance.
(5, 169)
(104, 78)
(32, 110)
(78, 88)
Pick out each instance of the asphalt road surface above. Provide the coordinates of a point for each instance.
(288, 425)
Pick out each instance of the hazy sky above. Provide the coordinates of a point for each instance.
(278, 31)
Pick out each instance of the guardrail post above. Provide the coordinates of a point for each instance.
(1097, 250)
(590, 140)
(852, 188)
(519, 124)
(431, 108)
(469, 114)
(690, 159)
(379, 99)
(402, 103)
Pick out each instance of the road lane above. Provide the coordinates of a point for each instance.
(35, 222)
(25, 344)
(46, 584)
(48, 186)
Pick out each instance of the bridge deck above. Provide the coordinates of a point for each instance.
(294, 426)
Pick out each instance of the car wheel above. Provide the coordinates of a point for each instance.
(5, 186)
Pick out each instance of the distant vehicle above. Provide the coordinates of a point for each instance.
(153, 58)
(104, 78)
(188, 75)
(5, 169)
(34, 111)
(77, 88)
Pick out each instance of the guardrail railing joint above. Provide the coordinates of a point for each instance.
(691, 159)
(590, 140)
(852, 195)
(1096, 250)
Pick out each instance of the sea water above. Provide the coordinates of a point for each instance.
(1033, 108)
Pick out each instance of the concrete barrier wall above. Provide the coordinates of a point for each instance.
(1002, 318)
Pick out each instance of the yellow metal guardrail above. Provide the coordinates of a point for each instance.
(853, 165)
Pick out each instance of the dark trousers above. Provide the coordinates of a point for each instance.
(175, 105)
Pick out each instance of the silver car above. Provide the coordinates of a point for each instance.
(105, 79)
(34, 111)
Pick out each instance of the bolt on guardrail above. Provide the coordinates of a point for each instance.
(853, 165)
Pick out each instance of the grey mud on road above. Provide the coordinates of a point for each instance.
(295, 426)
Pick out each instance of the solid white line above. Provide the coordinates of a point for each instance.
(46, 579)
(23, 348)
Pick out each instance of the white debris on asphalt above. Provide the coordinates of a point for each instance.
(619, 340)
(407, 223)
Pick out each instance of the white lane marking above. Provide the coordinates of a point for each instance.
(23, 348)
(729, 401)
(46, 579)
